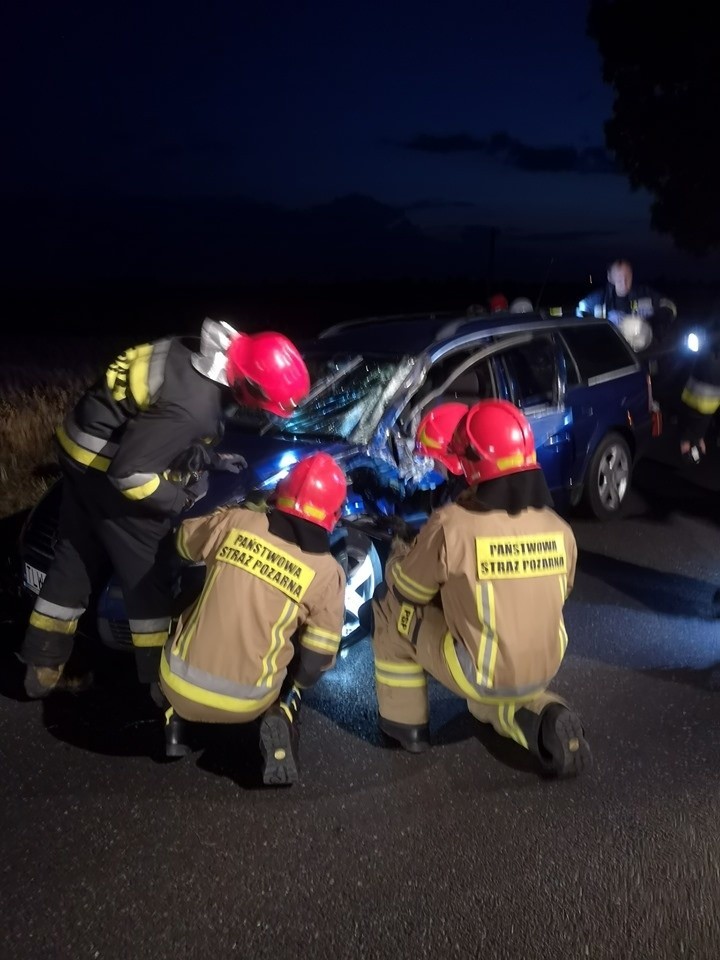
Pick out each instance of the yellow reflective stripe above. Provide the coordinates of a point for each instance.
(488, 648)
(138, 379)
(322, 646)
(392, 680)
(180, 543)
(322, 632)
(703, 404)
(51, 624)
(392, 666)
(143, 491)
(218, 701)
(149, 639)
(80, 454)
(563, 631)
(188, 631)
(277, 640)
(412, 589)
(506, 716)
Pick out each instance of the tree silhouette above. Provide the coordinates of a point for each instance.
(662, 62)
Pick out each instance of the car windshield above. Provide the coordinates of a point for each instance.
(348, 395)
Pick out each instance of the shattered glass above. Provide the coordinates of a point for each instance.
(348, 397)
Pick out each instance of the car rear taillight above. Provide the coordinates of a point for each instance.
(654, 409)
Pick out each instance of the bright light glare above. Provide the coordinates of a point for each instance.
(693, 342)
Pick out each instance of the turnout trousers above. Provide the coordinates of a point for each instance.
(100, 533)
(402, 665)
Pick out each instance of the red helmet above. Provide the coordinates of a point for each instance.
(494, 440)
(498, 302)
(266, 370)
(315, 489)
(435, 432)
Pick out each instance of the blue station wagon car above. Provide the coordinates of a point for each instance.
(586, 394)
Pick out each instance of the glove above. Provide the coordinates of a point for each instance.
(229, 462)
(197, 489)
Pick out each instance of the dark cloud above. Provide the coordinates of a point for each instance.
(442, 205)
(513, 153)
(566, 236)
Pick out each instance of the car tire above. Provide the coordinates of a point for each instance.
(364, 572)
(608, 478)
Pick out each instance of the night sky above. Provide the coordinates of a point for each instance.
(151, 138)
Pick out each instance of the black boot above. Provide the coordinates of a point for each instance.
(176, 744)
(279, 740)
(42, 681)
(564, 750)
(413, 737)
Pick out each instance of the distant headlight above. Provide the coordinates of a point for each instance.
(692, 341)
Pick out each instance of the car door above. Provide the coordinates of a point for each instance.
(532, 375)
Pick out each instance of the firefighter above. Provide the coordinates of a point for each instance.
(120, 497)
(432, 439)
(700, 400)
(621, 298)
(270, 580)
(476, 601)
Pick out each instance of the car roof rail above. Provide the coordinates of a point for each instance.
(363, 321)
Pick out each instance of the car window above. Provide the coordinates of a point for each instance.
(598, 350)
(531, 372)
(469, 386)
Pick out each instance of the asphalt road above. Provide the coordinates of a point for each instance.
(465, 851)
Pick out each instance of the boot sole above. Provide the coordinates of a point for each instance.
(279, 766)
(410, 746)
(571, 754)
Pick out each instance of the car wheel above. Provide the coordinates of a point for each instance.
(608, 478)
(364, 573)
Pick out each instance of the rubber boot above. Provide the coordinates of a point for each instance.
(279, 740)
(564, 750)
(175, 735)
(42, 681)
(413, 737)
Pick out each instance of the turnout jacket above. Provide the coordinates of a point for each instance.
(502, 581)
(700, 397)
(641, 300)
(154, 402)
(232, 648)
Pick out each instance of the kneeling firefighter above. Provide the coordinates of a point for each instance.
(118, 446)
(476, 601)
(269, 619)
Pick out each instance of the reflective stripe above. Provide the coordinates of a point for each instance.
(80, 455)
(487, 650)
(149, 639)
(703, 397)
(394, 666)
(183, 639)
(322, 640)
(458, 661)
(138, 486)
(277, 642)
(506, 717)
(150, 626)
(89, 441)
(563, 631)
(405, 674)
(410, 588)
(401, 675)
(156, 372)
(57, 611)
(51, 624)
(210, 691)
(150, 633)
(180, 543)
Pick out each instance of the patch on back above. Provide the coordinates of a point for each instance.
(267, 562)
(508, 558)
